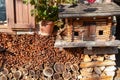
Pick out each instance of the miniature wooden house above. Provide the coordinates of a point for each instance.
(89, 29)
(88, 25)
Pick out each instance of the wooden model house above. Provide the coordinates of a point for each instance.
(88, 25)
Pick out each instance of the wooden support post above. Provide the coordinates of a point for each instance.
(69, 30)
(72, 30)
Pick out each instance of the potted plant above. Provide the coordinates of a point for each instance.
(46, 13)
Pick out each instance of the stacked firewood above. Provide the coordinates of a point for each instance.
(33, 49)
(91, 68)
(33, 57)
(98, 67)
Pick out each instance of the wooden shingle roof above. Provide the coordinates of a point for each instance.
(83, 10)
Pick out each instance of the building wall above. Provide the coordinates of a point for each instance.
(103, 32)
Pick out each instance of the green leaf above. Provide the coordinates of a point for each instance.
(25, 1)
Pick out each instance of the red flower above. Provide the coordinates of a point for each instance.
(91, 1)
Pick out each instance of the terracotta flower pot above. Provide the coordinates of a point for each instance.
(46, 27)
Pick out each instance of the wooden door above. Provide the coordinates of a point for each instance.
(18, 15)
(92, 32)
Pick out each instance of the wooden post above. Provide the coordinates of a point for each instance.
(72, 30)
(69, 30)
(110, 27)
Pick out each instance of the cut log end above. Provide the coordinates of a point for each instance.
(56, 76)
(3, 77)
(59, 67)
(66, 75)
(48, 72)
(17, 74)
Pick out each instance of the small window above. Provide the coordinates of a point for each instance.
(2, 11)
(100, 32)
(76, 34)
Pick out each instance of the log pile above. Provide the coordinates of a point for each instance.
(33, 49)
(98, 67)
(33, 57)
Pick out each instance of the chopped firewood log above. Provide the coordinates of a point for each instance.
(74, 67)
(25, 71)
(25, 77)
(27, 65)
(13, 70)
(110, 73)
(97, 70)
(79, 77)
(75, 74)
(59, 67)
(10, 75)
(102, 68)
(72, 78)
(100, 58)
(117, 78)
(89, 70)
(111, 57)
(36, 77)
(93, 57)
(48, 71)
(3, 77)
(17, 74)
(31, 73)
(56, 76)
(38, 72)
(110, 68)
(47, 65)
(118, 73)
(41, 67)
(5, 71)
(60, 78)
(13, 78)
(99, 78)
(102, 74)
(68, 66)
(48, 78)
(86, 74)
(66, 75)
(86, 58)
(97, 63)
(95, 75)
